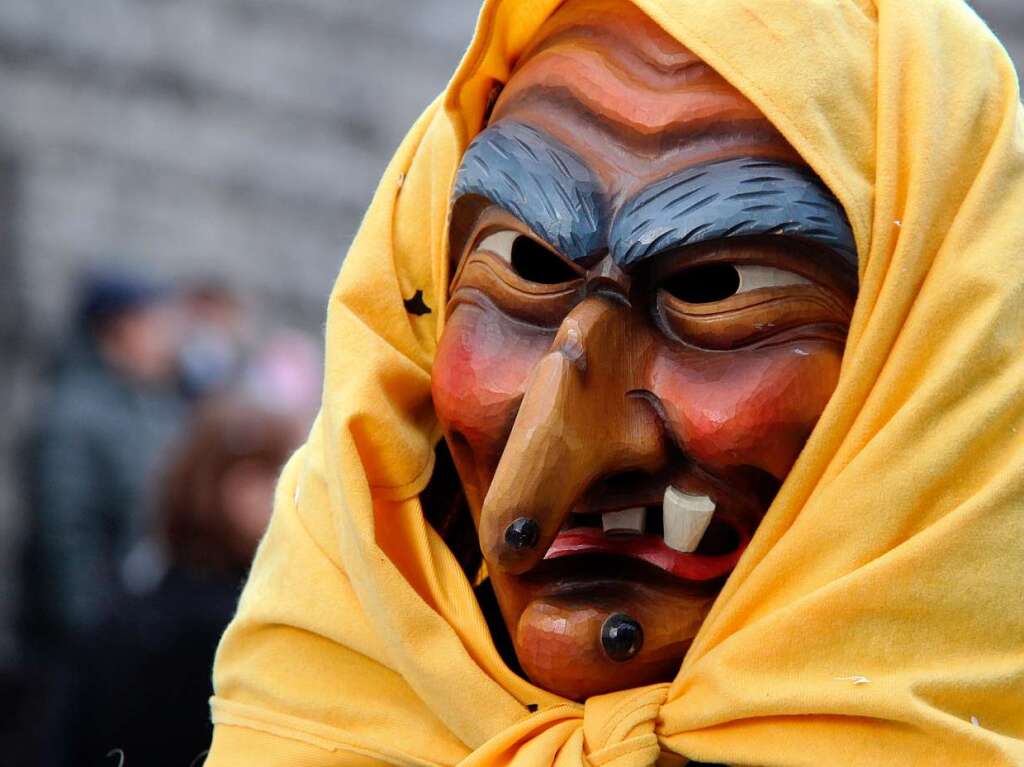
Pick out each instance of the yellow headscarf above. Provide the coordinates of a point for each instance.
(876, 619)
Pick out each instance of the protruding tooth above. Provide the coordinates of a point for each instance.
(626, 521)
(685, 519)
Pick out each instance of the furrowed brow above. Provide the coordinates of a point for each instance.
(539, 181)
(742, 197)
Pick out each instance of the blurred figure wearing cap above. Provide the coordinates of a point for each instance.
(110, 414)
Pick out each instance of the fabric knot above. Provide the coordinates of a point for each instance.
(618, 729)
(614, 730)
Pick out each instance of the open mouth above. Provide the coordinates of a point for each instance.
(687, 536)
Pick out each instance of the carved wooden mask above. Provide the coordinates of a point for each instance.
(649, 306)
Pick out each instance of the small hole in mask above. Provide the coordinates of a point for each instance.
(533, 262)
(704, 284)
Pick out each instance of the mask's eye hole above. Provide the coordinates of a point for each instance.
(528, 258)
(707, 283)
(704, 284)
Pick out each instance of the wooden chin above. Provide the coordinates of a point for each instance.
(558, 641)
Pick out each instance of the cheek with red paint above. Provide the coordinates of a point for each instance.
(750, 407)
(483, 362)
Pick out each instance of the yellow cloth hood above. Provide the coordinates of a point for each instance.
(878, 616)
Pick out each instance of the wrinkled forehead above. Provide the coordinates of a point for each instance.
(601, 75)
(612, 135)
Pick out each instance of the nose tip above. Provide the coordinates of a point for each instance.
(519, 519)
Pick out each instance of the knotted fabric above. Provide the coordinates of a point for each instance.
(877, 618)
(616, 730)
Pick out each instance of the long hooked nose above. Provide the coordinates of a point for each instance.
(575, 425)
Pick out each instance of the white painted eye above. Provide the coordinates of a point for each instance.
(708, 283)
(499, 243)
(756, 277)
(528, 258)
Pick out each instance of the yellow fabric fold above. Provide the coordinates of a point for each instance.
(877, 617)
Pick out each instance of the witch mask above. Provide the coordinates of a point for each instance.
(649, 303)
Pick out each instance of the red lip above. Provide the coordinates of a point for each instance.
(650, 549)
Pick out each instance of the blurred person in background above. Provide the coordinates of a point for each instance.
(146, 671)
(110, 415)
(216, 337)
(111, 411)
(285, 373)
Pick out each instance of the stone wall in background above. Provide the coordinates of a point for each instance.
(239, 139)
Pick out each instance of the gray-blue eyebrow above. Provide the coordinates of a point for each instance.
(541, 182)
(738, 197)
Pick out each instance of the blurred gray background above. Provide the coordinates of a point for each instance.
(238, 139)
(234, 139)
